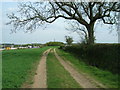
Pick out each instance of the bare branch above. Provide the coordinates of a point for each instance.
(32, 15)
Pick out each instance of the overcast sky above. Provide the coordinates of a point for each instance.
(55, 31)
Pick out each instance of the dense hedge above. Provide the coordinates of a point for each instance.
(104, 56)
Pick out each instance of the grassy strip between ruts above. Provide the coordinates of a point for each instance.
(18, 64)
(57, 76)
(107, 78)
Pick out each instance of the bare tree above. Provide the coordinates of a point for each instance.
(34, 14)
(79, 29)
(69, 40)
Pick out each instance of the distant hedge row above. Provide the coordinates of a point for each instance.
(104, 56)
(54, 43)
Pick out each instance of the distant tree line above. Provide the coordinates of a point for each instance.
(54, 44)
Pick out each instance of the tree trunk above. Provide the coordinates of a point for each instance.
(90, 29)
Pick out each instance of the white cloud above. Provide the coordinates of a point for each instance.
(104, 36)
(12, 9)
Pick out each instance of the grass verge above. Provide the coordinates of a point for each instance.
(57, 76)
(105, 77)
(17, 66)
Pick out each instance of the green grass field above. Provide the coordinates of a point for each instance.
(107, 78)
(57, 76)
(17, 65)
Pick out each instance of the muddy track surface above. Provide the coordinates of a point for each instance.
(40, 79)
(83, 81)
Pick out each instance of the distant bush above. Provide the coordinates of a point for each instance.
(54, 44)
(104, 56)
